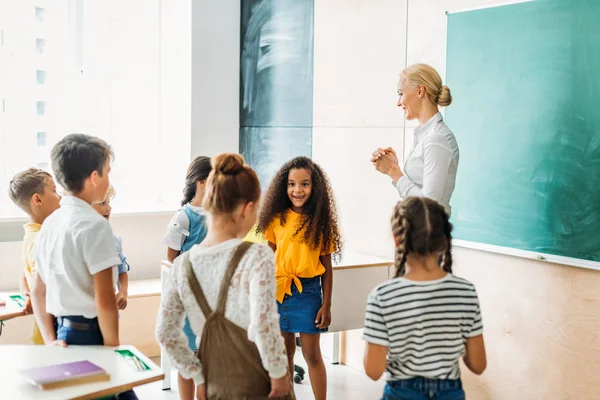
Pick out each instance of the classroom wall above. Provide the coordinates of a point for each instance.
(541, 320)
(358, 52)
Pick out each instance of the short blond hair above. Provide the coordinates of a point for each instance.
(110, 193)
(25, 184)
(426, 76)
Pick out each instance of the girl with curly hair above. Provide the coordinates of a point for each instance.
(300, 222)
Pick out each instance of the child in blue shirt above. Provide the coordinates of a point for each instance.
(121, 278)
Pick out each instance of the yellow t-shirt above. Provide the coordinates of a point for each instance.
(293, 259)
(31, 231)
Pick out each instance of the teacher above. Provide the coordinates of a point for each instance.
(430, 168)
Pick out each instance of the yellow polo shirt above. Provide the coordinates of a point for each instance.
(294, 259)
(31, 231)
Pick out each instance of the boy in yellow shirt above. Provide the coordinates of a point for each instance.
(33, 191)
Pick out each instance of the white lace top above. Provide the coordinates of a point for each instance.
(251, 305)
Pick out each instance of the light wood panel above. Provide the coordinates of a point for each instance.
(541, 328)
(138, 323)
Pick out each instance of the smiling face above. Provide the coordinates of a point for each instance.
(408, 98)
(299, 188)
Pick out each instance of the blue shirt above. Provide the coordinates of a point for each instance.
(123, 266)
(197, 229)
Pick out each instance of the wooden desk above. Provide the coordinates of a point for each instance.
(11, 309)
(353, 279)
(122, 376)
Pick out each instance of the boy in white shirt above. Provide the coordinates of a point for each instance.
(75, 252)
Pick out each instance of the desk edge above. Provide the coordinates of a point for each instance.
(120, 388)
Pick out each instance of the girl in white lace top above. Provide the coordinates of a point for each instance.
(231, 203)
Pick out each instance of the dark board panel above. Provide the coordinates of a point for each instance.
(525, 83)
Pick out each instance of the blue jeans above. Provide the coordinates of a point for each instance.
(92, 336)
(424, 389)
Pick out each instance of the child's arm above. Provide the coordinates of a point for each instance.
(324, 315)
(24, 285)
(273, 246)
(176, 233)
(25, 291)
(375, 360)
(108, 316)
(376, 337)
(264, 329)
(172, 254)
(169, 331)
(475, 359)
(45, 321)
(123, 289)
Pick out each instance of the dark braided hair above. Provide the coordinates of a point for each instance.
(197, 172)
(421, 225)
(318, 225)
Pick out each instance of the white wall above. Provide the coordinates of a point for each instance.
(359, 50)
(215, 76)
(141, 236)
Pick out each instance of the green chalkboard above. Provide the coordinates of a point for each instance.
(526, 113)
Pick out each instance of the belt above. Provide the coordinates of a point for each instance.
(78, 326)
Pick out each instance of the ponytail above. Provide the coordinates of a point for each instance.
(198, 171)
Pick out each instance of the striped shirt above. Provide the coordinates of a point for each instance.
(425, 325)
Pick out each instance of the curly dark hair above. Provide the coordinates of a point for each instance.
(319, 221)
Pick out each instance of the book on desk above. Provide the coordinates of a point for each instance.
(67, 374)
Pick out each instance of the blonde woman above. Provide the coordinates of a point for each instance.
(431, 166)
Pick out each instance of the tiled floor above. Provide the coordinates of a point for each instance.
(344, 383)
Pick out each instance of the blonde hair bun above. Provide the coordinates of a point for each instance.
(445, 98)
(228, 164)
(426, 76)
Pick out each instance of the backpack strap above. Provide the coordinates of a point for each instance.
(195, 286)
(231, 267)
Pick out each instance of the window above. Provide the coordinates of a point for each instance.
(40, 45)
(42, 139)
(40, 77)
(41, 108)
(39, 14)
(105, 81)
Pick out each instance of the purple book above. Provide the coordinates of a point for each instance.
(60, 374)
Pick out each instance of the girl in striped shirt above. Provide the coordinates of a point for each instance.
(419, 324)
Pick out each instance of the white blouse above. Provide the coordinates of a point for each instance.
(430, 168)
(251, 305)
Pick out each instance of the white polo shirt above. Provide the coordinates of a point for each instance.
(75, 242)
